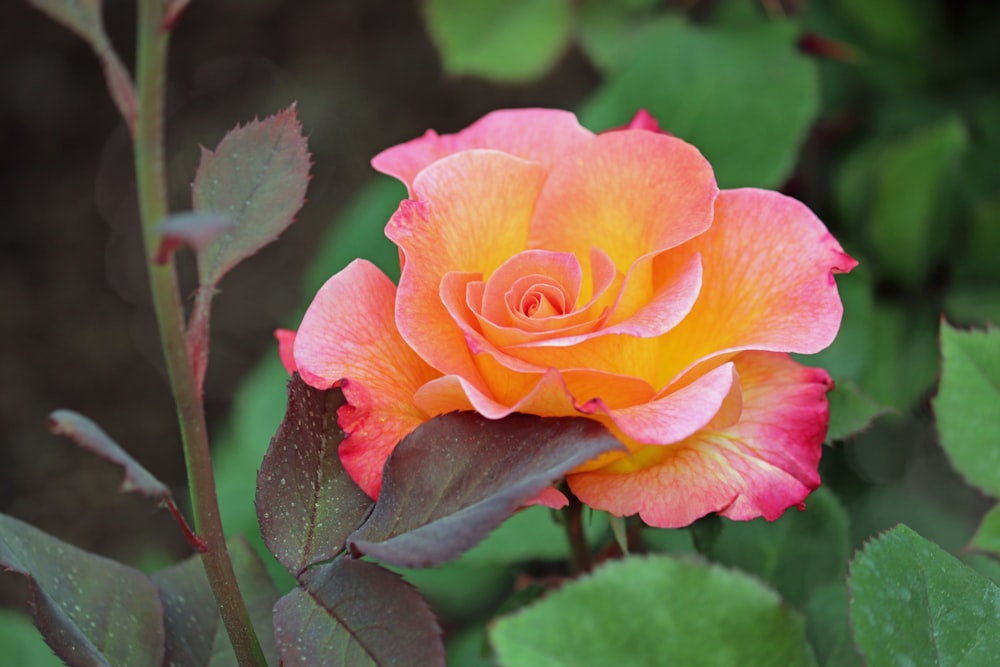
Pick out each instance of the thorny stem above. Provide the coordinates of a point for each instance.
(580, 557)
(151, 63)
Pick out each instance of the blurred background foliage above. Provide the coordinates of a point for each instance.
(884, 117)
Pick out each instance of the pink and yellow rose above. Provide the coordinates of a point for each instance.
(551, 271)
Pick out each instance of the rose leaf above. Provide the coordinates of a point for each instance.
(90, 610)
(796, 554)
(913, 603)
(503, 40)
(88, 435)
(967, 405)
(459, 476)
(307, 504)
(357, 614)
(257, 177)
(195, 635)
(692, 613)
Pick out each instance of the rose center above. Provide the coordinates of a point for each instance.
(543, 301)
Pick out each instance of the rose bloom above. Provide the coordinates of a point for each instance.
(551, 271)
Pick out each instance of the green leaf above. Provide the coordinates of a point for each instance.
(351, 613)
(358, 231)
(798, 553)
(91, 610)
(20, 643)
(987, 537)
(828, 627)
(194, 629)
(460, 475)
(904, 357)
(850, 353)
(905, 222)
(850, 411)
(257, 177)
(914, 604)
(533, 534)
(503, 40)
(743, 95)
(84, 18)
(306, 502)
(655, 610)
(967, 406)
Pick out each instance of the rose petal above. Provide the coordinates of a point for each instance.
(538, 135)
(348, 337)
(629, 193)
(562, 268)
(471, 215)
(286, 341)
(768, 282)
(760, 466)
(679, 414)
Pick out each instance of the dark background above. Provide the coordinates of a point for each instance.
(76, 327)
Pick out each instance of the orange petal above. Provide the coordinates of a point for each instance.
(629, 193)
(761, 465)
(768, 282)
(348, 338)
(538, 135)
(471, 214)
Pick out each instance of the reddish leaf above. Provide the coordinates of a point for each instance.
(195, 635)
(257, 176)
(90, 610)
(172, 12)
(307, 505)
(457, 477)
(89, 436)
(350, 613)
(84, 18)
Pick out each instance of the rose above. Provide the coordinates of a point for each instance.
(550, 271)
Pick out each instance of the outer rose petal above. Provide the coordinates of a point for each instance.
(760, 466)
(472, 215)
(538, 135)
(348, 336)
(628, 193)
(286, 341)
(768, 282)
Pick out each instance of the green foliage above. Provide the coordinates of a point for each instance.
(709, 86)
(987, 537)
(504, 40)
(22, 645)
(655, 610)
(967, 405)
(828, 627)
(796, 554)
(850, 411)
(912, 603)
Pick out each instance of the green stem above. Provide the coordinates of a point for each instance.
(151, 64)
(580, 557)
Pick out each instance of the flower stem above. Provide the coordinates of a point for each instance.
(580, 557)
(151, 63)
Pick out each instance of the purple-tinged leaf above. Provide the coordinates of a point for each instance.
(257, 176)
(307, 504)
(84, 18)
(195, 634)
(457, 477)
(90, 610)
(195, 230)
(351, 613)
(88, 435)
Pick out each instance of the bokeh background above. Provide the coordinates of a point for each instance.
(884, 117)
